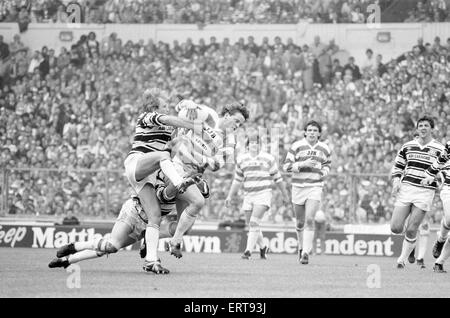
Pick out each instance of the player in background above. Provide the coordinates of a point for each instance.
(413, 199)
(148, 154)
(257, 170)
(128, 229)
(195, 152)
(441, 168)
(309, 161)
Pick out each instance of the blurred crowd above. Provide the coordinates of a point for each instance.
(76, 109)
(201, 11)
(430, 11)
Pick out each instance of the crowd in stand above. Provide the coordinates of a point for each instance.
(200, 11)
(76, 109)
(430, 11)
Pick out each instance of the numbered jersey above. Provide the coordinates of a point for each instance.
(257, 173)
(201, 151)
(300, 151)
(414, 160)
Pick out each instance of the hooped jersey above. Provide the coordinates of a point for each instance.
(413, 161)
(257, 173)
(308, 176)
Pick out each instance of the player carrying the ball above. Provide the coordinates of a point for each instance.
(309, 161)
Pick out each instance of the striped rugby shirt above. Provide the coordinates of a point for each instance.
(413, 161)
(150, 134)
(442, 164)
(308, 176)
(257, 173)
(207, 150)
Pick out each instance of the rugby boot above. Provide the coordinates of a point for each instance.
(59, 262)
(66, 250)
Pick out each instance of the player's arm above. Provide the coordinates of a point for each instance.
(398, 169)
(326, 166)
(236, 184)
(436, 167)
(278, 179)
(289, 161)
(152, 119)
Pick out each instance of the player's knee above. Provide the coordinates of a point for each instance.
(300, 225)
(396, 229)
(411, 233)
(106, 246)
(198, 203)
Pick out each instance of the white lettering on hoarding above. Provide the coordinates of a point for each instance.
(13, 235)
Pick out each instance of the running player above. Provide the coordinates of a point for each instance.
(153, 131)
(441, 248)
(194, 152)
(309, 161)
(257, 170)
(128, 229)
(413, 199)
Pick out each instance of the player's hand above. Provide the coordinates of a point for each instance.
(427, 180)
(310, 162)
(395, 186)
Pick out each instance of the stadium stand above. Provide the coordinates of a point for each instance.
(72, 110)
(204, 12)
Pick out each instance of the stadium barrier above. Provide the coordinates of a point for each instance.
(99, 194)
(213, 241)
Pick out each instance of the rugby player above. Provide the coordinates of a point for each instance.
(413, 198)
(309, 161)
(257, 171)
(149, 154)
(195, 152)
(441, 167)
(129, 228)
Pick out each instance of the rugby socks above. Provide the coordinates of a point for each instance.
(260, 240)
(308, 237)
(253, 234)
(299, 237)
(83, 255)
(88, 245)
(169, 170)
(422, 245)
(443, 231)
(184, 224)
(408, 246)
(445, 254)
(152, 240)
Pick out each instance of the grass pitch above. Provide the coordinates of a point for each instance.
(24, 273)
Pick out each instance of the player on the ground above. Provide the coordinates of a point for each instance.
(128, 229)
(148, 154)
(194, 152)
(257, 170)
(441, 248)
(309, 160)
(413, 199)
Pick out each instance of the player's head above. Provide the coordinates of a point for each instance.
(424, 126)
(313, 131)
(234, 115)
(253, 143)
(155, 99)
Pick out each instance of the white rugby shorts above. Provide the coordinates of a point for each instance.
(130, 171)
(418, 196)
(301, 194)
(260, 198)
